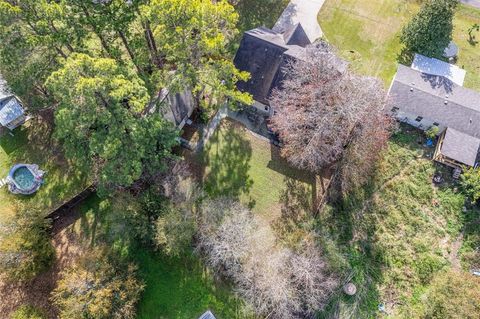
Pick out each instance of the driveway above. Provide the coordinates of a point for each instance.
(304, 12)
(473, 3)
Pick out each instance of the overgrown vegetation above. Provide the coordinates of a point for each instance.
(398, 233)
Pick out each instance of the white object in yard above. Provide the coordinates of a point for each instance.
(476, 273)
(436, 67)
(207, 315)
(350, 289)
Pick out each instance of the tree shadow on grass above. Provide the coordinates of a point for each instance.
(296, 211)
(10, 143)
(227, 158)
(281, 165)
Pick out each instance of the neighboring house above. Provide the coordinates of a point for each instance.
(265, 54)
(12, 113)
(177, 108)
(424, 99)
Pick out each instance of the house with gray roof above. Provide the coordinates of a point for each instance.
(265, 54)
(424, 100)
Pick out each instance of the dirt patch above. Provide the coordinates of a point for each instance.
(37, 291)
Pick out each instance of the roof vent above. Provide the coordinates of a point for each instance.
(471, 121)
(445, 102)
(413, 83)
(411, 89)
(446, 96)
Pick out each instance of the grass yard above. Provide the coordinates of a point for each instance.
(367, 33)
(398, 232)
(182, 288)
(239, 164)
(174, 287)
(28, 145)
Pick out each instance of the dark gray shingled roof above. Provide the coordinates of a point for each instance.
(461, 147)
(176, 107)
(265, 54)
(296, 36)
(438, 99)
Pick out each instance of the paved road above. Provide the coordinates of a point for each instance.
(473, 3)
(304, 12)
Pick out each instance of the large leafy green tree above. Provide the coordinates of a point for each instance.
(99, 121)
(193, 35)
(34, 35)
(430, 31)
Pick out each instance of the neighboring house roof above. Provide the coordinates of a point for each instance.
(178, 107)
(301, 11)
(265, 54)
(296, 36)
(461, 147)
(10, 110)
(436, 67)
(438, 99)
(207, 315)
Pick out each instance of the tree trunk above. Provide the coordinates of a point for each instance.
(156, 59)
(99, 34)
(129, 50)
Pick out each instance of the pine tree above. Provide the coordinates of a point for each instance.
(430, 31)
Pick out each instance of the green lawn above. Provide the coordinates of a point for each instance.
(30, 145)
(399, 231)
(182, 288)
(179, 287)
(237, 163)
(366, 33)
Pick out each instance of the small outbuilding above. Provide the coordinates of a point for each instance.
(457, 149)
(12, 113)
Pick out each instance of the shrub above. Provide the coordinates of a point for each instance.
(277, 282)
(28, 312)
(432, 132)
(470, 182)
(99, 286)
(25, 247)
(175, 230)
(452, 294)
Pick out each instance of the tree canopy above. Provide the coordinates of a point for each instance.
(326, 115)
(98, 64)
(430, 31)
(99, 121)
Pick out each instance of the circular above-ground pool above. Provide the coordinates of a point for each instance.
(24, 179)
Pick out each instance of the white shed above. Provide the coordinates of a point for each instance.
(12, 113)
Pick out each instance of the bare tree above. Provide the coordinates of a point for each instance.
(276, 282)
(325, 113)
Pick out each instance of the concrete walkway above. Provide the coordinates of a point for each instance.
(473, 3)
(304, 12)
